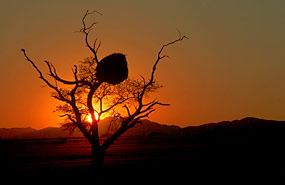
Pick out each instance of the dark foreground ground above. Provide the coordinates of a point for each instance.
(142, 160)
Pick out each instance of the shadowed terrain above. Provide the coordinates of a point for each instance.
(247, 148)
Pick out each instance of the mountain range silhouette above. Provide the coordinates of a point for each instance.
(229, 131)
(248, 148)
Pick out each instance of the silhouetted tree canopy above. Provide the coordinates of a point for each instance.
(102, 88)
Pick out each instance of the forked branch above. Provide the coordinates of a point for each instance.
(60, 95)
(159, 58)
(85, 30)
(53, 74)
(142, 110)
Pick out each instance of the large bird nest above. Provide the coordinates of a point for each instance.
(112, 69)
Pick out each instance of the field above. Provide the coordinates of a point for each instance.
(164, 158)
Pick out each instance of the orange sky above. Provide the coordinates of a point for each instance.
(231, 67)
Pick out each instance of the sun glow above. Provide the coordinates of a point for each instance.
(89, 118)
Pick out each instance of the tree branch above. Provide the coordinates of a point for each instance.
(61, 97)
(69, 117)
(159, 57)
(139, 113)
(86, 30)
(115, 104)
(128, 110)
(52, 73)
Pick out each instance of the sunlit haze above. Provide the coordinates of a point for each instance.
(89, 118)
(232, 65)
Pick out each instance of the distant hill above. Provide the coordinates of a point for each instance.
(28, 133)
(146, 128)
(245, 130)
(15, 132)
(105, 128)
(149, 127)
(227, 131)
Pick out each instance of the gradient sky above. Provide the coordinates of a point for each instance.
(231, 67)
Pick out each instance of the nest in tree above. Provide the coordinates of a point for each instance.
(112, 69)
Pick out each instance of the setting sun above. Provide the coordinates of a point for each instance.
(89, 118)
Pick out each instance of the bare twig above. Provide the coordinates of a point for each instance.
(159, 57)
(128, 110)
(53, 74)
(60, 95)
(86, 30)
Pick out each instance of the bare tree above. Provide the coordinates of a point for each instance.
(90, 96)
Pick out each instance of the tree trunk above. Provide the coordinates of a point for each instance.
(97, 157)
